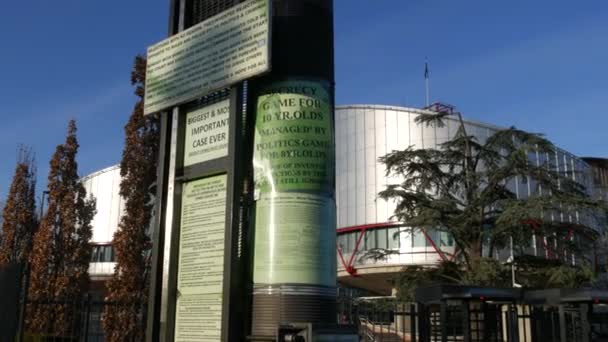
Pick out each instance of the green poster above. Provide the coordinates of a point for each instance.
(295, 226)
(207, 133)
(295, 240)
(294, 146)
(216, 53)
(200, 275)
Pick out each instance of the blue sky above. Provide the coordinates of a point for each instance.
(541, 65)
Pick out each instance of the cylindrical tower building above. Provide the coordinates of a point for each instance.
(365, 133)
(104, 187)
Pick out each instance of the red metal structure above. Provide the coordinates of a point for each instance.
(349, 266)
(361, 230)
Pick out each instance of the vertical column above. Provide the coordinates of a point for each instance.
(443, 319)
(562, 323)
(196, 277)
(466, 321)
(586, 315)
(294, 261)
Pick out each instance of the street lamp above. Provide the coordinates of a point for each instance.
(44, 193)
(512, 261)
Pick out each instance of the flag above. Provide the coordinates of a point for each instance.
(426, 70)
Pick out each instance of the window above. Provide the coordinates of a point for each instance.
(419, 238)
(440, 238)
(351, 241)
(103, 253)
(393, 238)
(342, 242)
(370, 239)
(381, 238)
(446, 239)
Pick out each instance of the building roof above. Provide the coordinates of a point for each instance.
(99, 172)
(599, 162)
(467, 121)
(417, 111)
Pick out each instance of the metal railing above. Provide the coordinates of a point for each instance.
(380, 321)
(81, 319)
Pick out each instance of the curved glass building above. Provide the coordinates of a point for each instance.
(366, 132)
(104, 186)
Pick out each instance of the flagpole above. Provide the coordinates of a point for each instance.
(427, 92)
(427, 82)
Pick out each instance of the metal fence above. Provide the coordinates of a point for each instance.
(570, 323)
(395, 321)
(83, 321)
(380, 320)
(10, 277)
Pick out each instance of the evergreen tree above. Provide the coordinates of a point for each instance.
(462, 188)
(61, 254)
(19, 214)
(129, 284)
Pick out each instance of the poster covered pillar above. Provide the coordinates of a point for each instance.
(294, 247)
(294, 270)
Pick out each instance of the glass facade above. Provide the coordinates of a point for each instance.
(104, 186)
(365, 133)
(102, 253)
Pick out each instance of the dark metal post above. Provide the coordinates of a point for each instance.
(87, 317)
(486, 322)
(423, 335)
(586, 310)
(513, 324)
(153, 323)
(443, 320)
(466, 321)
(413, 324)
(536, 321)
(562, 324)
(234, 305)
(154, 303)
